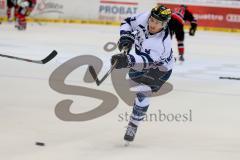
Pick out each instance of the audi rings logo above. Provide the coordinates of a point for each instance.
(233, 18)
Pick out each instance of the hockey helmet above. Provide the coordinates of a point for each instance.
(184, 6)
(161, 13)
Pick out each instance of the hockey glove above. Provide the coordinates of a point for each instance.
(125, 42)
(193, 29)
(121, 60)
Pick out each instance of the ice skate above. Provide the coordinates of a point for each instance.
(130, 133)
(181, 58)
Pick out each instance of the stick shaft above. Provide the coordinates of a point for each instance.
(43, 61)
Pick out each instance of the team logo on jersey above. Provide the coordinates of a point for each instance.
(147, 51)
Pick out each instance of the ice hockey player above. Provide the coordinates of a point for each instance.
(179, 16)
(11, 5)
(25, 7)
(149, 58)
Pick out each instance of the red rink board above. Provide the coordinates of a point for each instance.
(220, 17)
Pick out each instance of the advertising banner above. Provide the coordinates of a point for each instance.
(116, 10)
(221, 17)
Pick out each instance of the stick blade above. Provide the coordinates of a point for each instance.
(93, 74)
(49, 57)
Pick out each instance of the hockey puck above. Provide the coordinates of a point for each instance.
(39, 143)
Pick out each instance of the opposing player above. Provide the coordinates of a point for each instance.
(149, 58)
(179, 16)
(11, 5)
(25, 7)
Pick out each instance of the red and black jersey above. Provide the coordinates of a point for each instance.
(183, 14)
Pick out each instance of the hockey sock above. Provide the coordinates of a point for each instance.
(140, 107)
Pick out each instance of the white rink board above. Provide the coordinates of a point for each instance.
(94, 9)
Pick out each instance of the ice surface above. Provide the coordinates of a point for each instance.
(27, 110)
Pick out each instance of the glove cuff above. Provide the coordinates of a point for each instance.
(130, 36)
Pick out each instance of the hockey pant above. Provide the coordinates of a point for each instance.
(177, 28)
(10, 6)
(150, 81)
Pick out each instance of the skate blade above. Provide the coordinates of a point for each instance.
(126, 144)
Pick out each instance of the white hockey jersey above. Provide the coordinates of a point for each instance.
(149, 51)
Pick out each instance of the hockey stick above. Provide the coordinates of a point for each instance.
(43, 61)
(94, 74)
(230, 78)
